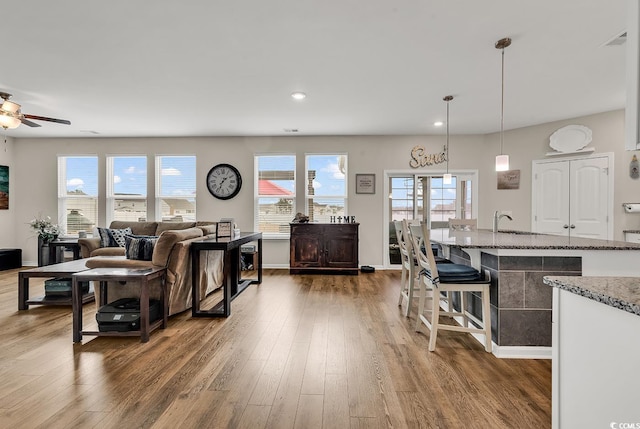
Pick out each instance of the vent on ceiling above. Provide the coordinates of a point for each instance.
(620, 39)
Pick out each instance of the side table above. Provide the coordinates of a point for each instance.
(71, 243)
(65, 269)
(103, 275)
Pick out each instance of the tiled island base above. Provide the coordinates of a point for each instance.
(518, 261)
(520, 301)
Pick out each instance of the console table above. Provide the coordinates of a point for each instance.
(142, 275)
(233, 283)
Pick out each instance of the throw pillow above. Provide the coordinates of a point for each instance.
(139, 247)
(113, 237)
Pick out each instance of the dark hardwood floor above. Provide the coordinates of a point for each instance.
(304, 351)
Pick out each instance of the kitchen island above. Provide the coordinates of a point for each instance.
(596, 344)
(521, 303)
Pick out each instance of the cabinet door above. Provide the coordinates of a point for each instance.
(341, 247)
(306, 247)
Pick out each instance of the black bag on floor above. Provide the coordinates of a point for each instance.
(124, 315)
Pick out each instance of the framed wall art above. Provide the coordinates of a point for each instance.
(509, 179)
(4, 187)
(365, 183)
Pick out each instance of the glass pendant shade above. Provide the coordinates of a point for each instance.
(10, 106)
(446, 179)
(502, 162)
(9, 122)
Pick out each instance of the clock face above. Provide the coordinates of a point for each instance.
(224, 181)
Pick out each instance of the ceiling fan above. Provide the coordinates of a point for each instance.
(12, 117)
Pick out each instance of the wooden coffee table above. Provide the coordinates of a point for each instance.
(143, 276)
(65, 269)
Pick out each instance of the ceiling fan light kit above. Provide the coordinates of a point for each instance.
(11, 116)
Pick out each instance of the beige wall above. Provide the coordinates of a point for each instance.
(34, 171)
(8, 237)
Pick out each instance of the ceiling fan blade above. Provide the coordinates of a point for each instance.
(43, 118)
(29, 123)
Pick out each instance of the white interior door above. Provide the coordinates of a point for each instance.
(572, 197)
(589, 193)
(551, 198)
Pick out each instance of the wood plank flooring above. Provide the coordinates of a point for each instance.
(304, 351)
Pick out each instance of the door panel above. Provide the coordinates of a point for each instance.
(589, 198)
(552, 198)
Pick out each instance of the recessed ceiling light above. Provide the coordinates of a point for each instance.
(438, 124)
(298, 95)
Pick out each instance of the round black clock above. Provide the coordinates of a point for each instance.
(224, 181)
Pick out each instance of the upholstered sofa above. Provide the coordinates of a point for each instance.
(92, 246)
(171, 250)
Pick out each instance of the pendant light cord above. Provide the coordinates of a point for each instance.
(502, 106)
(448, 98)
(447, 137)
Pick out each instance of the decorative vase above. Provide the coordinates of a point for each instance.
(43, 252)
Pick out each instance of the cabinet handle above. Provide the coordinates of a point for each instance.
(565, 226)
(572, 226)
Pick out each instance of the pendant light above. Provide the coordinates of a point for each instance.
(446, 179)
(502, 161)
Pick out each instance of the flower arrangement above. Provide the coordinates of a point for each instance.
(47, 230)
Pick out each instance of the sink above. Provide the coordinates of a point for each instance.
(511, 231)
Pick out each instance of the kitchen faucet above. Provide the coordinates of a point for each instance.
(496, 218)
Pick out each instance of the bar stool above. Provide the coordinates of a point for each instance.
(439, 278)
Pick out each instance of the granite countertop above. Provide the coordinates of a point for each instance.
(618, 292)
(633, 231)
(486, 239)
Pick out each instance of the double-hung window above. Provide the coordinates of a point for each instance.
(326, 187)
(176, 188)
(275, 194)
(126, 188)
(77, 193)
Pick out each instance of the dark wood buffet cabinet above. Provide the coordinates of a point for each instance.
(323, 248)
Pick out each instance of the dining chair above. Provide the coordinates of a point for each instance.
(409, 274)
(438, 281)
(463, 224)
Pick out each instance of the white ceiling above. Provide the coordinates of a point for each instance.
(369, 67)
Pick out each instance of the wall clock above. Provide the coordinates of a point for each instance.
(224, 181)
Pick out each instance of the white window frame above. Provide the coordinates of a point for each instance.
(111, 197)
(282, 235)
(158, 187)
(344, 197)
(64, 198)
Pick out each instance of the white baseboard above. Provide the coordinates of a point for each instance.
(522, 352)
